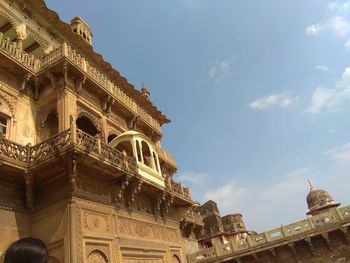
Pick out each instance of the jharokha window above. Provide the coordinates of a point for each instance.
(3, 126)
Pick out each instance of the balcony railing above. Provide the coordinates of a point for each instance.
(11, 50)
(166, 157)
(194, 217)
(36, 65)
(30, 156)
(302, 229)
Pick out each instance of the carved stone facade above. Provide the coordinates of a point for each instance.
(61, 177)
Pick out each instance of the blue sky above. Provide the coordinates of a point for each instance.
(258, 93)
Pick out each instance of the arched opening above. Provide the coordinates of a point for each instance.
(176, 259)
(29, 44)
(208, 244)
(147, 157)
(5, 119)
(50, 127)
(111, 137)
(86, 125)
(125, 146)
(97, 256)
(138, 149)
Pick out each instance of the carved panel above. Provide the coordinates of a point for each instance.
(92, 189)
(143, 230)
(96, 222)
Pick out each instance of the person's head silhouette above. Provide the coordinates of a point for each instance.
(27, 250)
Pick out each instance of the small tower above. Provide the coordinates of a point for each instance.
(80, 27)
(319, 200)
(145, 93)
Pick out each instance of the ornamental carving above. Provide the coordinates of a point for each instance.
(9, 100)
(133, 228)
(95, 120)
(95, 222)
(96, 256)
(143, 231)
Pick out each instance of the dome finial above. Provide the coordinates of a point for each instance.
(311, 186)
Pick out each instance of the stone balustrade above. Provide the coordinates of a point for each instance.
(300, 229)
(36, 65)
(194, 217)
(11, 50)
(166, 157)
(29, 156)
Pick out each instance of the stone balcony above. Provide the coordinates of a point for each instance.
(305, 229)
(36, 66)
(28, 157)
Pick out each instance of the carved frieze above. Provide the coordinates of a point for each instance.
(92, 188)
(143, 230)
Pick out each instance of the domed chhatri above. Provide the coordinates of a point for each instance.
(318, 200)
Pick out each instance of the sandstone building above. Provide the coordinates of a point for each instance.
(81, 165)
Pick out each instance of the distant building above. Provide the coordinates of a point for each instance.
(323, 237)
(220, 230)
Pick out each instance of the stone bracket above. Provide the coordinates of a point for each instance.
(78, 83)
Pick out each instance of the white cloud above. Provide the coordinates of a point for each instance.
(339, 7)
(323, 68)
(279, 203)
(193, 178)
(331, 98)
(228, 196)
(338, 25)
(347, 45)
(340, 154)
(221, 69)
(282, 100)
(314, 29)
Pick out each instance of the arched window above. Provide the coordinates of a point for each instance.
(111, 137)
(125, 146)
(86, 125)
(5, 119)
(50, 127)
(147, 157)
(176, 259)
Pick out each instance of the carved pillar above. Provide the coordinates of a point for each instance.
(72, 232)
(295, 253)
(21, 32)
(134, 149)
(66, 98)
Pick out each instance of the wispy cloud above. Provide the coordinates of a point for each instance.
(323, 68)
(228, 196)
(340, 153)
(331, 98)
(338, 25)
(221, 69)
(339, 7)
(281, 100)
(233, 197)
(193, 178)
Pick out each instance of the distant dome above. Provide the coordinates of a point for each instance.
(319, 199)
